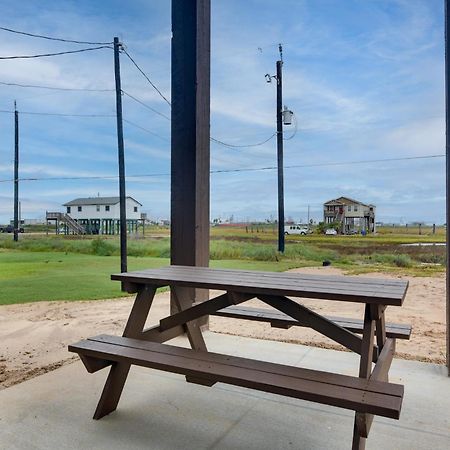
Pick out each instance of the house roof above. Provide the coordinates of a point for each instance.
(345, 201)
(97, 201)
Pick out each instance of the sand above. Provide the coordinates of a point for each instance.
(34, 336)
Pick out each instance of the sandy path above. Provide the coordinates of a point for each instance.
(34, 336)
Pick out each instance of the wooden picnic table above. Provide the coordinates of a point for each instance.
(368, 394)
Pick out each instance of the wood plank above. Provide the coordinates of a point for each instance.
(281, 320)
(315, 321)
(287, 275)
(271, 277)
(263, 278)
(234, 372)
(206, 278)
(314, 375)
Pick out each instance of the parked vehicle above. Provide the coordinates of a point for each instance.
(10, 229)
(330, 232)
(296, 229)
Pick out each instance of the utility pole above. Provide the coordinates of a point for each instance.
(122, 195)
(279, 79)
(16, 173)
(308, 218)
(283, 117)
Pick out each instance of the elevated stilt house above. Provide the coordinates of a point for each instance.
(96, 215)
(351, 215)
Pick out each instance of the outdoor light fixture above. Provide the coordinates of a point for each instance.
(287, 116)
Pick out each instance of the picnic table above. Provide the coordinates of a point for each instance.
(368, 394)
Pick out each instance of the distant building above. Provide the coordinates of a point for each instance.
(96, 215)
(351, 215)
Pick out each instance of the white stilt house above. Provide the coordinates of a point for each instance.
(97, 215)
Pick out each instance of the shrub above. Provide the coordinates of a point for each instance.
(101, 247)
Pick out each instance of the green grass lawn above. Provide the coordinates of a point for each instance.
(41, 267)
(37, 276)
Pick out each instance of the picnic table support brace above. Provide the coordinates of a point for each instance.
(318, 323)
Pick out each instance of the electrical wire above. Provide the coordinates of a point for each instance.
(40, 36)
(54, 88)
(146, 77)
(248, 169)
(145, 129)
(57, 114)
(145, 105)
(217, 141)
(225, 144)
(44, 55)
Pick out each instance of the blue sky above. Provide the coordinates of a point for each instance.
(364, 78)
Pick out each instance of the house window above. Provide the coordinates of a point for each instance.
(68, 210)
(349, 208)
(98, 208)
(107, 208)
(80, 209)
(135, 209)
(356, 208)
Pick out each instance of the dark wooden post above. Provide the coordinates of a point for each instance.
(121, 158)
(16, 174)
(190, 163)
(279, 79)
(447, 151)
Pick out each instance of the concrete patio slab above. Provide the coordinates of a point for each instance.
(159, 410)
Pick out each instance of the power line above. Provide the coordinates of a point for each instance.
(217, 141)
(145, 105)
(145, 129)
(146, 77)
(40, 36)
(54, 88)
(57, 114)
(43, 55)
(248, 169)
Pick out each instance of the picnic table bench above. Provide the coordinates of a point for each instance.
(368, 394)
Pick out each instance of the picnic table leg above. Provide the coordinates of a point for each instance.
(365, 369)
(119, 371)
(193, 331)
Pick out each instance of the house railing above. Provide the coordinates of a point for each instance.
(71, 223)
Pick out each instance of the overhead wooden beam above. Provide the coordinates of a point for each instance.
(190, 161)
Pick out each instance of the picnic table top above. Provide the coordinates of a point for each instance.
(344, 288)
